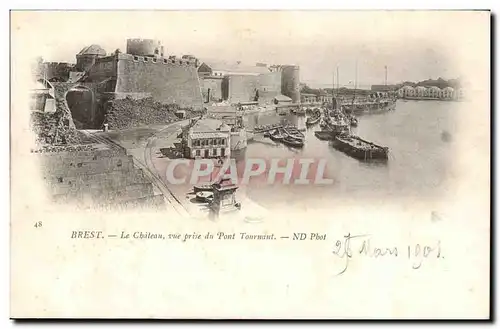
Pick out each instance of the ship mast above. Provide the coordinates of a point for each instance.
(385, 75)
(355, 82)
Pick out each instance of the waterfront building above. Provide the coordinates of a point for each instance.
(406, 91)
(421, 92)
(207, 138)
(325, 97)
(434, 92)
(307, 98)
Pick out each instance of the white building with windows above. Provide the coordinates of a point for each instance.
(447, 93)
(434, 92)
(208, 138)
(406, 91)
(421, 92)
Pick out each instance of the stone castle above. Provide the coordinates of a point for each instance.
(144, 71)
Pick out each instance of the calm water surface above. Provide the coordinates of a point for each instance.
(418, 163)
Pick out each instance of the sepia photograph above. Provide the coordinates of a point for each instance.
(250, 164)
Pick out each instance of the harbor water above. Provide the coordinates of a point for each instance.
(419, 134)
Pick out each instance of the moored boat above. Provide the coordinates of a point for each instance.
(359, 148)
(278, 135)
(293, 132)
(324, 135)
(293, 142)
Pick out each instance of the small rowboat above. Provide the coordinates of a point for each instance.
(294, 132)
(203, 188)
(204, 196)
(278, 135)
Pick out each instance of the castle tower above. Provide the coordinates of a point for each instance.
(290, 82)
(145, 47)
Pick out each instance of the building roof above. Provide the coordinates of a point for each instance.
(434, 88)
(93, 50)
(448, 89)
(421, 88)
(235, 67)
(407, 87)
(205, 134)
(308, 95)
(208, 125)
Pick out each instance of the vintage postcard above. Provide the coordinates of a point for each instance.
(250, 164)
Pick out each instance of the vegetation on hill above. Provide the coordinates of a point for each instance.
(440, 83)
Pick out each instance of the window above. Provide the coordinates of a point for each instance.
(198, 153)
(165, 61)
(136, 58)
(223, 142)
(145, 59)
(154, 60)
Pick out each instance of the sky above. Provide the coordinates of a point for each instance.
(415, 45)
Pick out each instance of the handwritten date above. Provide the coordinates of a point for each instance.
(362, 246)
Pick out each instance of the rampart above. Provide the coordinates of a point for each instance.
(246, 88)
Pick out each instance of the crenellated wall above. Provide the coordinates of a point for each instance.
(168, 81)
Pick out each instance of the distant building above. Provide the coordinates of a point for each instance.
(325, 97)
(434, 92)
(447, 93)
(207, 138)
(406, 91)
(420, 91)
(307, 98)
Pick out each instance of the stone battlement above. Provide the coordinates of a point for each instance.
(155, 60)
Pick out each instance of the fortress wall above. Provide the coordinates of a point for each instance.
(269, 85)
(242, 88)
(96, 178)
(167, 81)
(215, 86)
(103, 69)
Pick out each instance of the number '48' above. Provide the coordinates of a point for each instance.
(38, 224)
